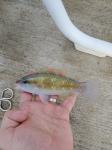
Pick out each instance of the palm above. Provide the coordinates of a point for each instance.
(46, 127)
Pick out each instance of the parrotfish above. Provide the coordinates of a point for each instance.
(47, 84)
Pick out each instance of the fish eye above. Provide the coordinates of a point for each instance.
(25, 81)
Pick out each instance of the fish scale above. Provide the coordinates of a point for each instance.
(45, 83)
(53, 81)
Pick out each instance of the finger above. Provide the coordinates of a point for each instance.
(6, 138)
(13, 118)
(37, 98)
(25, 97)
(69, 103)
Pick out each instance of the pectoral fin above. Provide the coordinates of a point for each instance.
(44, 98)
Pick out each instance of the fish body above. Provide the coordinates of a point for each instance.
(47, 83)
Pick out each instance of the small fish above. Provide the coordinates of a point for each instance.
(48, 83)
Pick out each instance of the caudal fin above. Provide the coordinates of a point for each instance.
(90, 89)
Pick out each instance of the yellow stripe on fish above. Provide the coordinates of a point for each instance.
(53, 81)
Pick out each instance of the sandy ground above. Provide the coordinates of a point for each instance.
(30, 40)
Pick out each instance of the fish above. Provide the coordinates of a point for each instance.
(47, 84)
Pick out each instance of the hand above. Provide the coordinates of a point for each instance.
(37, 126)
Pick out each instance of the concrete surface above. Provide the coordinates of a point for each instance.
(30, 40)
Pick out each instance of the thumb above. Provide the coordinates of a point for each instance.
(69, 103)
(13, 118)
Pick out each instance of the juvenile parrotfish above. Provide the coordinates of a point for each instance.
(47, 84)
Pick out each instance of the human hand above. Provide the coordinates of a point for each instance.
(37, 126)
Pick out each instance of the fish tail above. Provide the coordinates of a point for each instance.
(90, 89)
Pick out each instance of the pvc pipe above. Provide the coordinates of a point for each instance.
(82, 41)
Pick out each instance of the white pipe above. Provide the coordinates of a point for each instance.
(82, 41)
